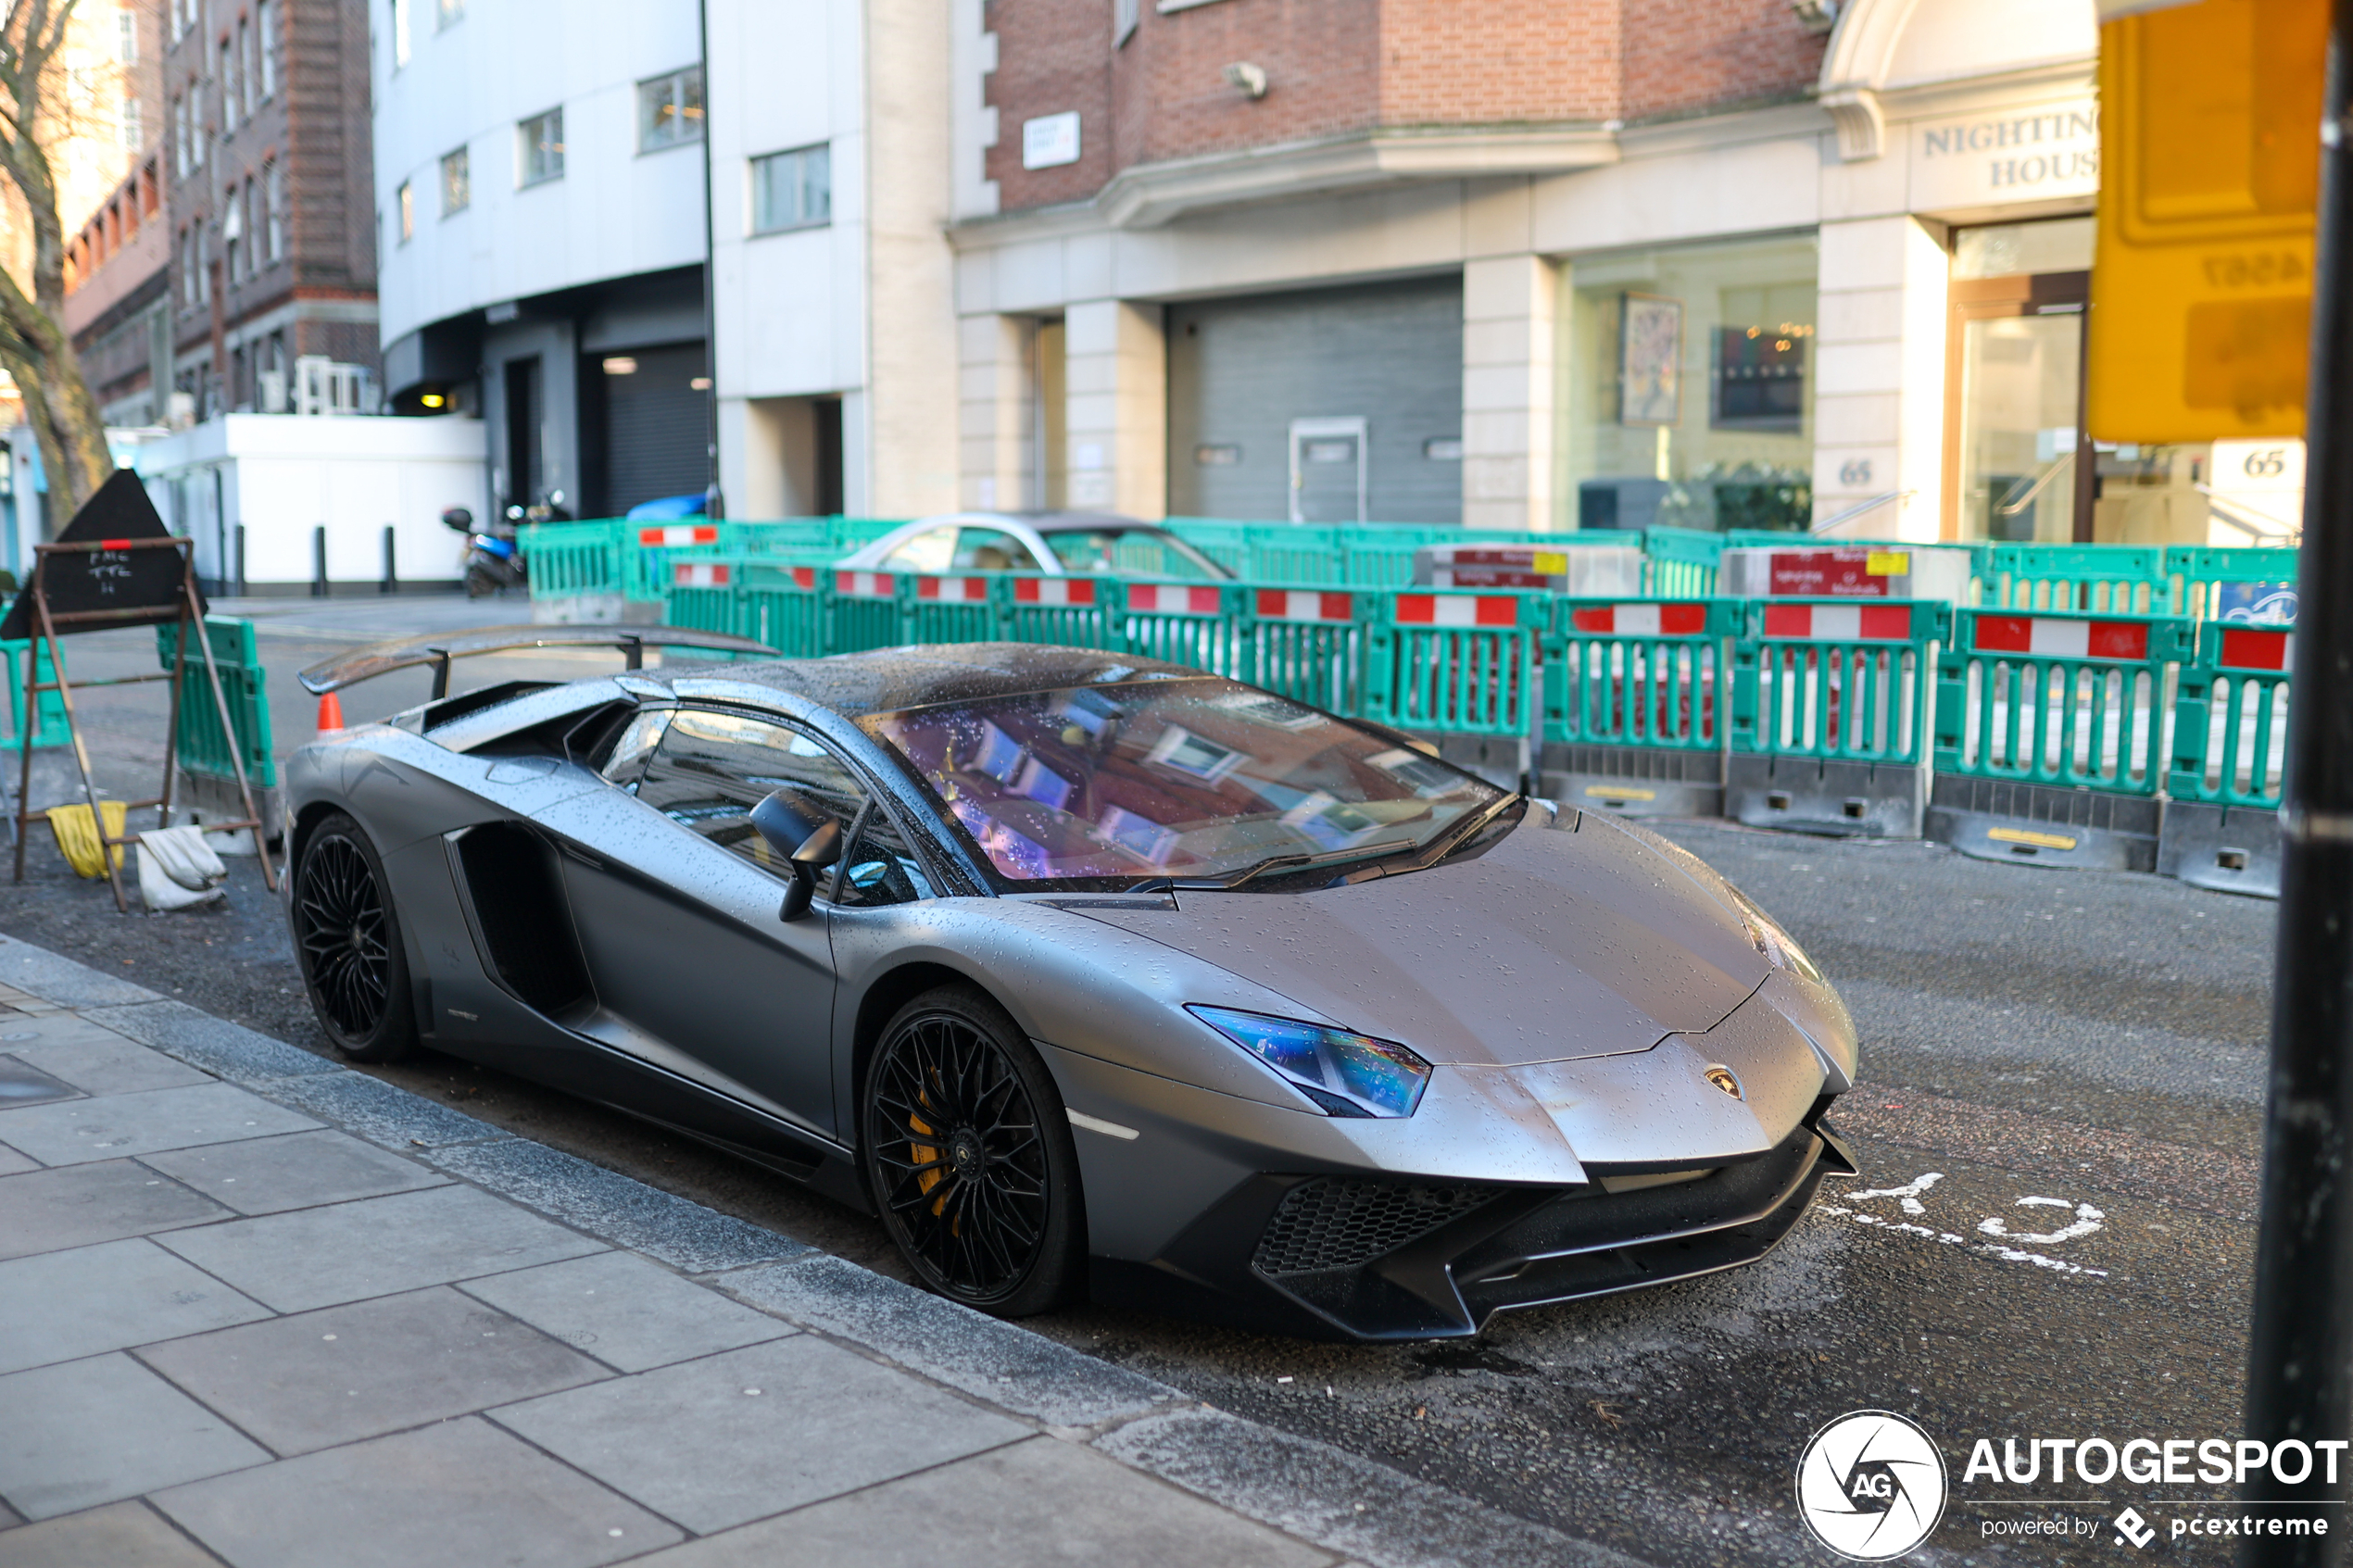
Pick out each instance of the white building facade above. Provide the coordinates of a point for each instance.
(541, 185)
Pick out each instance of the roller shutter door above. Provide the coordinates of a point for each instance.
(656, 427)
(1243, 373)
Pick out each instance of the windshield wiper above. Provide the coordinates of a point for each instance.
(1281, 863)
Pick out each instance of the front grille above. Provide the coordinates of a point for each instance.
(1345, 1222)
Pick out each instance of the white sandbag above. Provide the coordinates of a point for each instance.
(177, 868)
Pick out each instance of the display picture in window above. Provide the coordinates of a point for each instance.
(1760, 376)
(1650, 360)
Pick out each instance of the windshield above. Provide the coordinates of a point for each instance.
(1131, 552)
(1190, 778)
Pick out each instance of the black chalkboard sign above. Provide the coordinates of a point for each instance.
(117, 584)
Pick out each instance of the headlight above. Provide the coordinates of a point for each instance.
(1780, 949)
(1347, 1074)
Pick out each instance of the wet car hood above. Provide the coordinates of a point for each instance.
(1561, 942)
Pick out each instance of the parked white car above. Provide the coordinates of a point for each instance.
(1058, 544)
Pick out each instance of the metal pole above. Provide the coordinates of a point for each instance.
(2303, 1318)
(714, 502)
(318, 561)
(390, 581)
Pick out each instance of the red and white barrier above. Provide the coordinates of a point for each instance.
(679, 533)
(2050, 637)
(804, 577)
(866, 585)
(1496, 611)
(2251, 647)
(1170, 598)
(1640, 621)
(701, 574)
(953, 590)
(1305, 604)
(1839, 623)
(1067, 592)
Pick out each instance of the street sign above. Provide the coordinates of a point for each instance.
(2202, 281)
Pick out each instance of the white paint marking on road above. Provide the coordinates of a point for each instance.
(2087, 1219)
(1908, 1195)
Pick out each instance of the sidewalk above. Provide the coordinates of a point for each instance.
(261, 1310)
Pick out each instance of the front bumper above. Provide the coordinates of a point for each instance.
(1375, 1257)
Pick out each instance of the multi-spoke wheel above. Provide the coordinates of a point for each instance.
(969, 1156)
(349, 946)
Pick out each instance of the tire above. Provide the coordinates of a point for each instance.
(347, 944)
(983, 1200)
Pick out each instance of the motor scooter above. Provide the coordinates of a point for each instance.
(493, 563)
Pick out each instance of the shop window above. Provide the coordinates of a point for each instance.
(1688, 389)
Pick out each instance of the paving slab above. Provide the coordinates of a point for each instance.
(331, 1376)
(1036, 1501)
(95, 1431)
(11, 1161)
(72, 1131)
(460, 1492)
(757, 1431)
(23, 1084)
(380, 1113)
(120, 1535)
(230, 1050)
(983, 1356)
(376, 1246)
(625, 1312)
(1341, 1499)
(60, 1306)
(296, 1171)
(20, 1032)
(102, 1062)
(678, 1231)
(80, 1205)
(40, 972)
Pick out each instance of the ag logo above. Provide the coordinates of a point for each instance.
(1870, 1485)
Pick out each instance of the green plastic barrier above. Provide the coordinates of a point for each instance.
(1072, 612)
(1682, 563)
(1305, 643)
(2206, 579)
(2077, 579)
(864, 610)
(1835, 680)
(202, 747)
(573, 559)
(50, 712)
(950, 608)
(2074, 701)
(1647, 672)
(1456, 661)
(1196, 624)
(2230, 726)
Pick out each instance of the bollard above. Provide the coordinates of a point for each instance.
(390, 581)
(318, 561)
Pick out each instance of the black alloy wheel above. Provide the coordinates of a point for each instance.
(969, 1156)
(349, 945)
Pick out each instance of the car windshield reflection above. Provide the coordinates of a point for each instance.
(1192, 778)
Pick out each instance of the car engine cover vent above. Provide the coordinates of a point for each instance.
(1345, 1222)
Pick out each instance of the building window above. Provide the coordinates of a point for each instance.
(540, 147)
(456, 188)
(404, 200)
(265, 22)
(1689, 386)
(248, 70)
(1122, 20)
(400, 33)
(669, 109)
(452, 12)
(792, 190)
(134, 133)
(126, 46)
(273, 197)
(228, 80)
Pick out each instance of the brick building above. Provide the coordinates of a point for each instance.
(1539, 264)
(266, 154)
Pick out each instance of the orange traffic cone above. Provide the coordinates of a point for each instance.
(330, 714)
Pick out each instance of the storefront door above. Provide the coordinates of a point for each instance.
(2016, 453)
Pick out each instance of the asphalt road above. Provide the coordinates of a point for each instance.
(2093, 1041)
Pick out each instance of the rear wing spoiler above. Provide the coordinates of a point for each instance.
(406, 653)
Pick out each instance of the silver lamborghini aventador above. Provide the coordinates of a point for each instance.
(1088, 974)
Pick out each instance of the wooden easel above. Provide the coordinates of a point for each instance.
(188, 613)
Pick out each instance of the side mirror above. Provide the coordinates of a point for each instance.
(807, 837)
(458, 519)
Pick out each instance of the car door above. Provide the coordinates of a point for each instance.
(676, 907)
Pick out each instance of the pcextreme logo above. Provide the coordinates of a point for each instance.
(1870, 1485)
